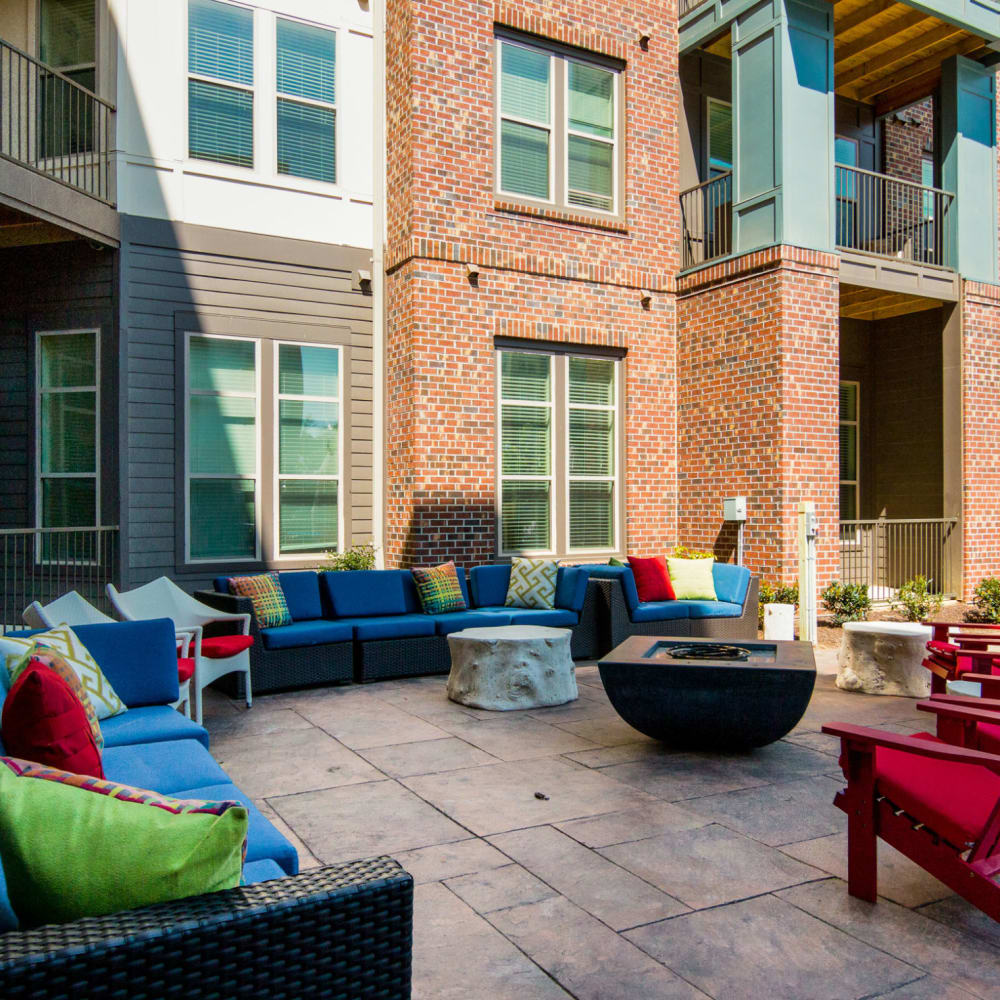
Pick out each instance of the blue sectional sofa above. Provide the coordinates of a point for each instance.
(154, 747)
(732, 616)
(376, 615)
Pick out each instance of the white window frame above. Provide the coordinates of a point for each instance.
(278, 477)
(613, 142)
(215, 81)
(53, 390)
(256, 395)
(856, 424)
(310, 102)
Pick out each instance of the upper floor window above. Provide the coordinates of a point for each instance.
(558, 128)
(849, 422)
(720, 137)
(306, 109)
(220, 82)
(67, 41)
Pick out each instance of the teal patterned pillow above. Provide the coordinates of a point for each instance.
(439, 589)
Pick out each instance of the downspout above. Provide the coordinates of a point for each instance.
(378, 286)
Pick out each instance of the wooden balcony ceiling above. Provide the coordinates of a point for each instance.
(889, 54)
(873, 303)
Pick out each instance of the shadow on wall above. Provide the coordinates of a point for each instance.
(456, 528)
(724, 547)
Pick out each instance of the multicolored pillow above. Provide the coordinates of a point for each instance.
(269, 605)
(532, 583)
(65, 642)
(439, 588)
(74, 846)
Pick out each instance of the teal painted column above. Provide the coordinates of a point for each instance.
(783, 123)
(968, 166)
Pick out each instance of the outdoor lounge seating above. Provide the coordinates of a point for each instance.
(951, 662)
(351, 922)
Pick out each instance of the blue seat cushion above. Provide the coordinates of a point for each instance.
(263, 840)
(731, 582)
(8, 921)
(660, 611)
(164, 767)
(369, 592)
(412, 626)
(554, 618)
(150, 724)
(571, 587)
(455, 621)
(312, 633)
(262, 871)
(712, 609)
(489, 585)
(301, 590)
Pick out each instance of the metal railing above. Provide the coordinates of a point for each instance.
(41, 564)
(892, 217)
(52, 124)
(884, 554)
(686, 6)
(707, 220)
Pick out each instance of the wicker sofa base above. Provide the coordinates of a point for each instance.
(340, 933)
(381, 659)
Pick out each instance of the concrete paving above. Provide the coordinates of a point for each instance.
(639, 873)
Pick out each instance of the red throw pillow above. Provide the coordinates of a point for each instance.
(43, 721)
(652, 580)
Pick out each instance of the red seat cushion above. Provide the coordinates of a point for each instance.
(652, 579)
(989, 737)
(220, 647)
(953, 800)
(44, 721)
(185, 669)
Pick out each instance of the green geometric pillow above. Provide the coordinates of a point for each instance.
(532, 583)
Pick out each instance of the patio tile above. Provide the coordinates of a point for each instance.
(709, 866)
(457, 955)
(624, 754)
(515, 737)
(296, 760)
(911, 937)
(370, 723)
(441, 861)
(362, 821)
(779, 761)
(306, 858)
(605, 731)
(587, 958)
(639, 823)
(499, 888)
(683, 775)
(927, 988)
(956, 912)
(766, 948)
(612, 894)
(262, 720)
(815, 741)
(777, 814)
(501, 797)
(426, 757)
(899, 879)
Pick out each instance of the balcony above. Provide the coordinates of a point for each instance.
(707, 221)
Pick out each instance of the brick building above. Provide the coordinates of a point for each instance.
(640, 259)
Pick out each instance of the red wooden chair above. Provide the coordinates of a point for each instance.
(959, 652)
(936, 803)
(973, 723)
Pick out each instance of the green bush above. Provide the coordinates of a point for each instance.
(775, 593)
(985, 602)
(847, 602)
(361, 556)
(915, 601)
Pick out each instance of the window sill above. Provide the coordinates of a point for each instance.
(553, 214)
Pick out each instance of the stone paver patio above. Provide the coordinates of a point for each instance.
(642, 873)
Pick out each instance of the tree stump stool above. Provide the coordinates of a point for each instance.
(884, 658)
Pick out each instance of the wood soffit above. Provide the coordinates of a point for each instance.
(873, 304)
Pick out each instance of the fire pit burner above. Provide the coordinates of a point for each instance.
(707, 651)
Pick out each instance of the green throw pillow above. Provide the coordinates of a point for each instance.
(692, 579)
(74, 846)
(532, 583)
(615, 562)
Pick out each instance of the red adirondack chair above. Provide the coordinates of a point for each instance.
(973, 723)
(936, 803)
(953, 652)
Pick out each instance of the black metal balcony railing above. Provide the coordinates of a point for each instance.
(51, 124)
(706, 220)
(892, 217)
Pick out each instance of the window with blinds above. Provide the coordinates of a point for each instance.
(720, 137)
(220, 82)
(849, 423)
(67, 41)
(306, 104)
(558, 443)
(558, 131)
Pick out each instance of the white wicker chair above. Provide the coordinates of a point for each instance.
(162, 598)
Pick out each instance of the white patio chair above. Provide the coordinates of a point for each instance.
(72, 609)
(214, 656)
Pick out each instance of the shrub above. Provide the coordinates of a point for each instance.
(847, 602)
(915, 601)
(775, 593)
(683, 552)
(361, 556)
(985, 602)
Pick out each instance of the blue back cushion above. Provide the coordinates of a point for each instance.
(571, 587)
(221, 584)
(489, 585)
(301, 590)
(731, 582)
(624, 575)
(138, 658)
(358, 593)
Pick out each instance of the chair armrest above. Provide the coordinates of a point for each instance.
(231, 609)
(186, 637)
(350, 923)
(962, 708)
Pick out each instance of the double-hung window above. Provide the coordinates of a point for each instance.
(306, 103)
(67, 41)
(220, 82)
(848, 426)
(559, 441)
(558, 128)
(719, 137)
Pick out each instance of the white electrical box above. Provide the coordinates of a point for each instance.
(734, 509)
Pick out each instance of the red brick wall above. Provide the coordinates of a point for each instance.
(905, 143)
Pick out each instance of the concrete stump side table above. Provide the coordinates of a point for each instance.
(884, 658)
(511, 667)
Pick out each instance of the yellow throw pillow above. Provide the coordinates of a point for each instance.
(532, 583)
(692, 579)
